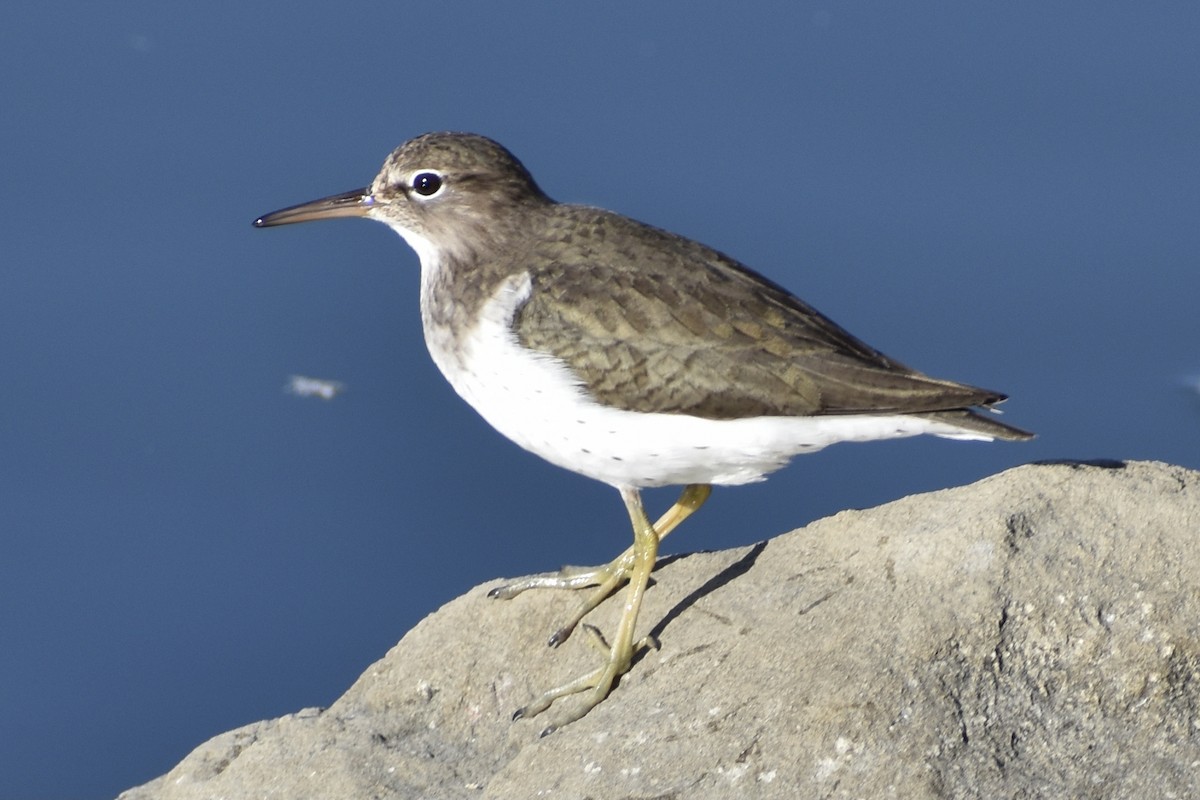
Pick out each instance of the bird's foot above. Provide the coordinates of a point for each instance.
(606, 579)
(632, 567)
(597, 683)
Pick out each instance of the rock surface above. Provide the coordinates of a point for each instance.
(1036, 634)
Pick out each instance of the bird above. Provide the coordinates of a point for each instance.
(630, 355)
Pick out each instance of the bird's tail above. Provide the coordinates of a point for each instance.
(965, 423)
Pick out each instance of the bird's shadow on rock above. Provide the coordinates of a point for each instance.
(1078, 463)
(731, 572)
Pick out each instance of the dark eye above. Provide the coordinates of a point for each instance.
(426, 183)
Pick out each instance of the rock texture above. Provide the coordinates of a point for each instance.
(1033, 635)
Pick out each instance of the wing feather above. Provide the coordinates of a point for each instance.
(716, 340)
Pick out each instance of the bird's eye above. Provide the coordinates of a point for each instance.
(427, 184)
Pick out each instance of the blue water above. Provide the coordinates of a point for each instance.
(1003, 197)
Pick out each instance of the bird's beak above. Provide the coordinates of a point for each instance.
(357, 203)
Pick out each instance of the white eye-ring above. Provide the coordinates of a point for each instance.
(426, 183)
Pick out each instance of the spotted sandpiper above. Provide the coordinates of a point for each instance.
(627, 354)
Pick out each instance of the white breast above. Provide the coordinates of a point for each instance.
(536, 401)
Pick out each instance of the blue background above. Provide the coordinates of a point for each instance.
(1005, 196)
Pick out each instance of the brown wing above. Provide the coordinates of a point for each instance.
(659, 323)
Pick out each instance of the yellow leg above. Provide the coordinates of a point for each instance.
(599, 682)
(608, 577)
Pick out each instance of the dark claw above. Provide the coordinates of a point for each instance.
(518, 714)
(559, 636)
(495, 592)
(546, 731)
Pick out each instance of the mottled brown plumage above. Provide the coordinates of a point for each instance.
(715, 340)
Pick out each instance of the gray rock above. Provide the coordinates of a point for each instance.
(1036, 634)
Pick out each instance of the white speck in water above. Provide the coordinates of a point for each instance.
(304, 386)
